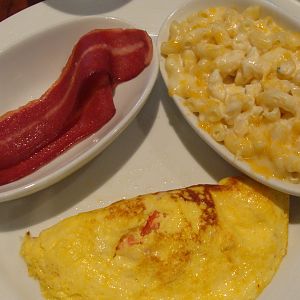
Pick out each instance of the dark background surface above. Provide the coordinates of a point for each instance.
(10, 7)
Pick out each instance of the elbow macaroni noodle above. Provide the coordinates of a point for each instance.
(239, 73)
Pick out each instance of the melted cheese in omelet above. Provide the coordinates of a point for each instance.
(202, 242)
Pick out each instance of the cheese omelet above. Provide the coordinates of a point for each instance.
(206, 242)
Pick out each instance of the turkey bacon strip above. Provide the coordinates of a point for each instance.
(78, 104)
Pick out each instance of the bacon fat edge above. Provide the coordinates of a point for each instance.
(78, 104)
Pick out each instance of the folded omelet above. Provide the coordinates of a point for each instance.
(206, 242)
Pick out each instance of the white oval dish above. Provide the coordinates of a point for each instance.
(31, 66)
(181, 13)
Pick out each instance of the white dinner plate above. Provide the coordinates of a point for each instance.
(30, 66)
(180, 14)
(158, 151)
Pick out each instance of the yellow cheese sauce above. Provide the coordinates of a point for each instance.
(239, 73)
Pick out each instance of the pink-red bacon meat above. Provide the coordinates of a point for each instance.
(79, 103)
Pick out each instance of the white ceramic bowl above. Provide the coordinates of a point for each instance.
(29, 67)
(268, 8)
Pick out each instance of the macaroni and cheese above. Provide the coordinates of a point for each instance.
(239, 73)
